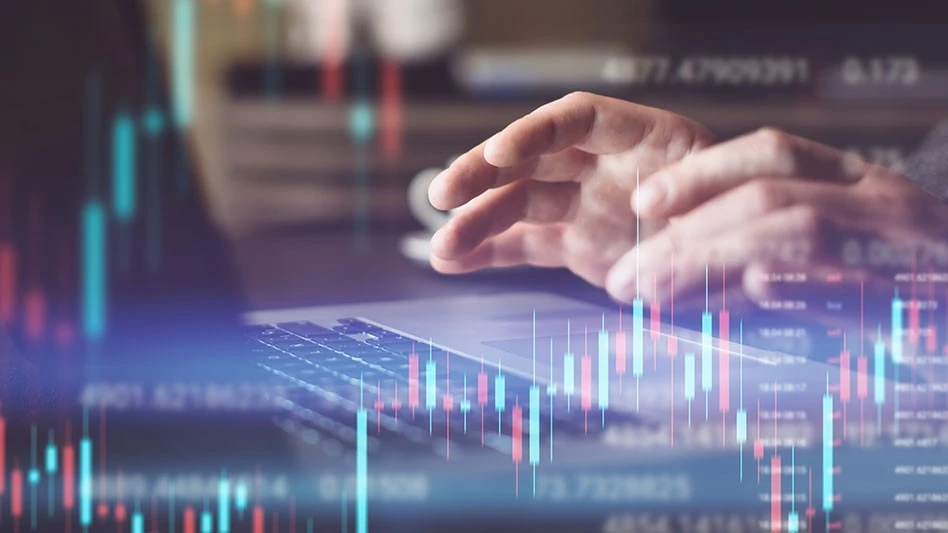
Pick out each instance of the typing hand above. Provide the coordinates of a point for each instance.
(769, 204)
(552, 189)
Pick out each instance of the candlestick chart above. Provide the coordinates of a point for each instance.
(789, 439)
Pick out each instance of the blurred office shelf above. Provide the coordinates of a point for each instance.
(294, 160)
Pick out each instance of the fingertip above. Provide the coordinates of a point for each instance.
(439, 194)
(755, 284)
(442, 244)
(495, 153)
(462, 264)
(440, 265)
(453, 241)
(620, 283)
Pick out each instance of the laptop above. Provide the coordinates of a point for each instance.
(522, 397)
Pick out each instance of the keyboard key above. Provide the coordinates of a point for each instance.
(257, 329)
(293, 348)
(303, 328)
(394, 346)
(347, 330)
(284, 339)
(313, 351)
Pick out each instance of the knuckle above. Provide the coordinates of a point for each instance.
(777, 146)
(770, 136)
(895, 201)
(673, 242)
(579, 97)
(917, 214)
(810, 224)
(902, 208)
(447, 244)
(765, 196)
(464, 168)
(718, 252)
(701, 137)
(573, 114)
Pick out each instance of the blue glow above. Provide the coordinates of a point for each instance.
(207, 522)
(94, 270)
(138, 522)
(51, 463)
(183, 31)
(500, 396)
(361, 121)
(123, 167)
(240, 497)
(223, 505)
(793, 522)
(879, 378)
(689, 376)
(171, 518)
(534, 425)
(897, 333)
(85, 482)
(638, 338)
(465, 404)
(827, 453)
(741, 426)
(431, 388)
(362, 483)
(153, 122)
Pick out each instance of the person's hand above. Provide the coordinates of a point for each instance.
(552, 189)
(767, 204)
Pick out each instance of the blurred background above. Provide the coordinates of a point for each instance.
(317, 114)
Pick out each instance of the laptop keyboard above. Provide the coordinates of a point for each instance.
(328, 372)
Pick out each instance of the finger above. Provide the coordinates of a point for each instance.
(497, 210)
(522, 244)
(470, 175)
(746, 205)
(795, 235)
(757, 198)
(684, 185)
(592, 123)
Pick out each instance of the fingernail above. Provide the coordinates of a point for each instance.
(647, 281)
(648, 198)
(438, 245)
(436, 190)
(492, 153)
(621, 286)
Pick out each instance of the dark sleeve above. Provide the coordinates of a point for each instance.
(927, 167)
